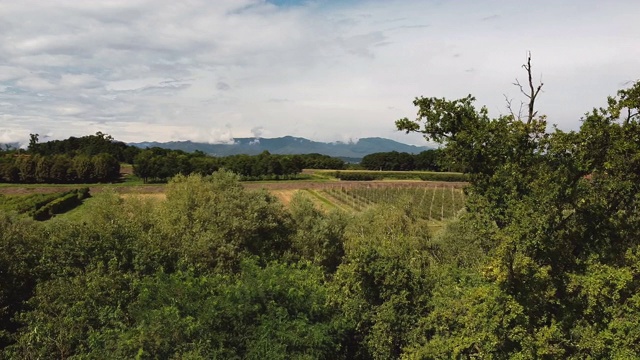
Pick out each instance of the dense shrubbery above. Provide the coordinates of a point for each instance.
(356, 175)
(64, 202)
(429, 160)
(456, 177)
(44, 206)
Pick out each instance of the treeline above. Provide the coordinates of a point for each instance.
(428, 160)
(16, 167)
(157, 164)
(90, 159)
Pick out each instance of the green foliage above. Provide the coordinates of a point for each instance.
(426, 203)
(44, 206)
(64, 202)
(564, 210)
(276, 312)
(90, 145)
(23, 204)
(59, 169)
(20, 253)
(382, 286)
(430, 160)
(358, 176)
(158, 164)
(215, 221)
(363, 175)
(318, 236)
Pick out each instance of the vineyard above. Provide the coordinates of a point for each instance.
(429, 203)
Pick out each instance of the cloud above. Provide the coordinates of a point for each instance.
(223, 86)
(206, 70)
(257, 131)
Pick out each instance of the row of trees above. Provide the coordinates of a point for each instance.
(60, 169)
(65, 161)
(429, 160)
(159, 164)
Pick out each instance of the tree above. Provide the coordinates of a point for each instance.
(214, 222)
(61, 169)
(33, 142)
(43, 169)
(27, 167)
(565, 210)
(105, 167)
(383, 285)
(142, 165)
(318, 236)
(83, 168)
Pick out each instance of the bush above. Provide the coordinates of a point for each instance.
(64, 202)
(358, 176)
(399, 175)
(444, 177)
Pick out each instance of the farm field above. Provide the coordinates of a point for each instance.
(436, 202)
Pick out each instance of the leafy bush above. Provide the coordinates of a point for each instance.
(64, 202)
(399, 175)
(23, 204)
(358, 176)
(444, 177)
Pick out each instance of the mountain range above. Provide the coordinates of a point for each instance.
(350, 151)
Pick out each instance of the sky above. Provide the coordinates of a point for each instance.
(209, 71)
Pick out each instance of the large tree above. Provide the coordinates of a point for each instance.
(563, 258)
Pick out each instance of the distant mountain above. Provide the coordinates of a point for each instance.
(14, 145)
(291, 145)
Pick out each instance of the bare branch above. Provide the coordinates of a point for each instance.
(517, 83)
(533, 90)
(509, 101)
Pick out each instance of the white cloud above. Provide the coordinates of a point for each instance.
(210, 70)
(35, 83)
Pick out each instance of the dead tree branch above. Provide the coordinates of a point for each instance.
(533, 92)
(510, 108)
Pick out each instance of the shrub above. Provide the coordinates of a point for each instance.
(64, 202)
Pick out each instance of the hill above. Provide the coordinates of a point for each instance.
(291, 145)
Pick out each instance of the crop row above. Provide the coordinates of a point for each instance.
(437, 203)
(44, 206)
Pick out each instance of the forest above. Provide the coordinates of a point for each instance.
(543, 262)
